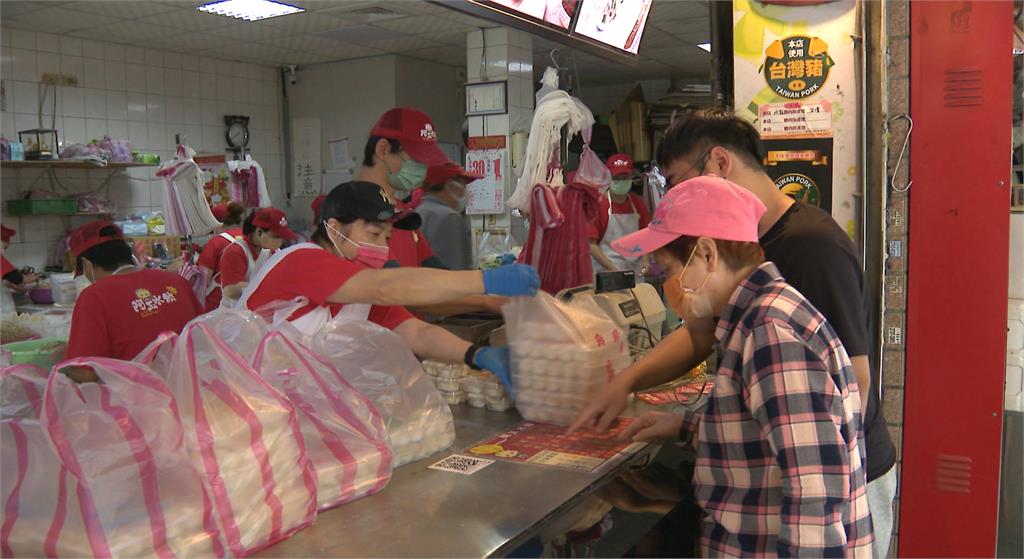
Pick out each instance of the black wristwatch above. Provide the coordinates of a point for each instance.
(471, 355)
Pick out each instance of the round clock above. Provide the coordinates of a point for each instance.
(237, 133)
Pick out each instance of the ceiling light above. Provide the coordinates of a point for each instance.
(704, 46)
(249, 10)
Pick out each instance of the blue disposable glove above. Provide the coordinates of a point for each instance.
(511, 280)
(498, 361)
(507, 259)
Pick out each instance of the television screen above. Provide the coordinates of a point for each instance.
(555, 12)
(616, 23)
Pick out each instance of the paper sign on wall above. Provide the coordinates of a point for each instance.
(487, 156)
(340, 158)
(306, 156)
(781, 120)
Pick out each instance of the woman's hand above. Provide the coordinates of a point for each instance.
(654, 426)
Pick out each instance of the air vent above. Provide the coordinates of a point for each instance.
(953, 473)
(366, 13)
(963, 88)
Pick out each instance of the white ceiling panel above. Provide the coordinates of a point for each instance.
(452, 56)
(425, 25)
(41, 27)
(250, 33)
(195, 41)
(348, 52)
(62, 17)
(307, 22)
(188, 19)
(15, 8)
(303, 42)
(120, 8)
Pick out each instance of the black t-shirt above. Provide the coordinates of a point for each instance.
(818, 258)
(15, 277)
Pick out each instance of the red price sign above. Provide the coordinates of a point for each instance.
(486, 157)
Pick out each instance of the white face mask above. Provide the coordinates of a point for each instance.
(460, 201)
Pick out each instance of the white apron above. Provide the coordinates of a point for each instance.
(619, 225)
(255, 264)
(311, 322)
(215, 280)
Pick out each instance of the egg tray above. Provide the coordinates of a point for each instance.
(565, 353)
(552, 399)
(547, 414)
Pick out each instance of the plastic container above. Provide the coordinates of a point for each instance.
(41, 295)
(453, 397)
(493, 389)
(54, 206)
(447, 385)
(499, 404)
(476, 400)
(44, 352)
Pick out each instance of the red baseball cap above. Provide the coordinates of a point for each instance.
(705, 206)
(220, 211)
(315, 206)
(6, 233)
(414, 130)
(438, 174)
(274, 220)
(620, 164)
(90, 235)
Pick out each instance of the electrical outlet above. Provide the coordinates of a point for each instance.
(52, 79)
(69, 80)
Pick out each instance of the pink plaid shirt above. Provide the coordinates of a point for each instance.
(780, 445)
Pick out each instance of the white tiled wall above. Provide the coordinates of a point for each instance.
(143, 95)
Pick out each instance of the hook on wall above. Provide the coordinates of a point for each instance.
(903, 151)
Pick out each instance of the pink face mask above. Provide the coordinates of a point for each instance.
(373, 256)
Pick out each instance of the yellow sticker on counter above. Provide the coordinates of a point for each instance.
(487, 449)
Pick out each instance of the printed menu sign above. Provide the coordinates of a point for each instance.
(548, 445)
(487, 156)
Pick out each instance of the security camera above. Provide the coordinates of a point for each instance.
(292, 78)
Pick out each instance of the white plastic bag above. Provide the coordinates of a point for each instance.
(562, 355)
(246, 437)
(344, 434)
(40, 515)
(592, 171)
(380, 365)
(138, 491)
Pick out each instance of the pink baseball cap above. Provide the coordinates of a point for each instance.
(706, 206)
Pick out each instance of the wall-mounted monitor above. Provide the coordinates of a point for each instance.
(612, 28)
(616, 23)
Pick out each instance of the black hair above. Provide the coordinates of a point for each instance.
(371, 148)
(703, 129)
(110, 255)
(236, 213)
(320, 235)
(247, 225)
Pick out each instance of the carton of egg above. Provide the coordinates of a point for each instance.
(420, 436)
(555, 381)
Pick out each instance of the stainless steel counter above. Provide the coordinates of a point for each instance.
(428, 513)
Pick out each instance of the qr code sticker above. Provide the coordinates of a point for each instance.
(460, 464)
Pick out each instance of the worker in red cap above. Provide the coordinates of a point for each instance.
(14, 279)
(400, 150)
(443, 208)
(126, 307)
(263, 232)
(230, 216)
(621, 213)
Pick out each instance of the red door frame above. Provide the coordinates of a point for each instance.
(960, 83)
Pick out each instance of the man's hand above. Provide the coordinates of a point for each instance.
(493, 303)
(29, 278)
(607, 406)
(654, 426)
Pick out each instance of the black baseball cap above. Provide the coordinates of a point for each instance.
(366, 200)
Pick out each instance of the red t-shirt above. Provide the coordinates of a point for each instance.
(316, 274)
(600, 224)
(120, 315)
(409, 248)
(210, 259)
(5, 266)
(234, 263)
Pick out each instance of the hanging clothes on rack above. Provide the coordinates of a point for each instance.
(248, 183)
(186, 210)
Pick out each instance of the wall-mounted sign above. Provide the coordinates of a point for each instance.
(487, 156)
(487, 98)
(797, 67)
(802, 168)
(306, 156)
(780, 120)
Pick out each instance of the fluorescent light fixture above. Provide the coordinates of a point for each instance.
(249, 10)
(704, 46)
